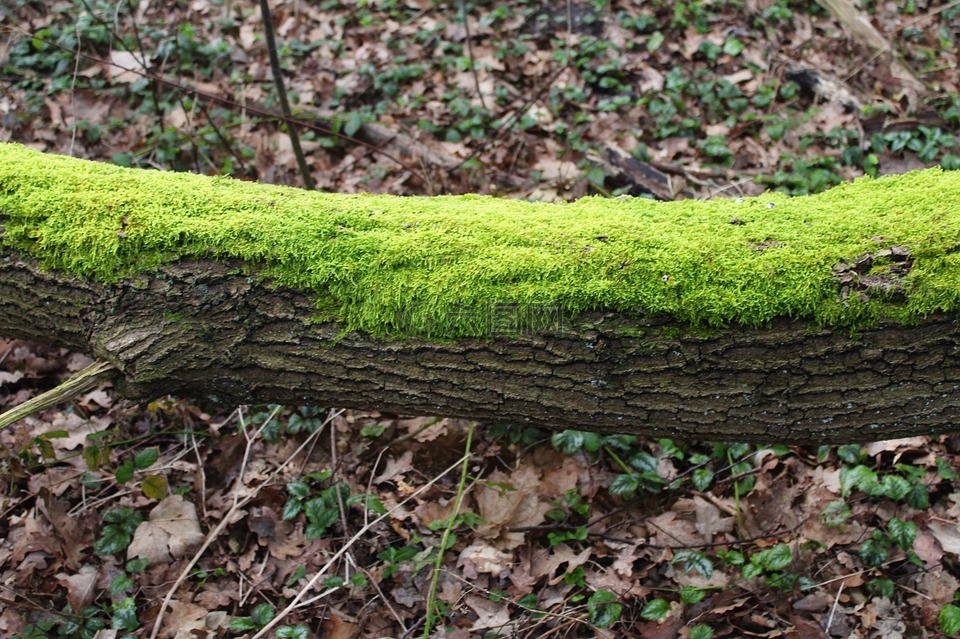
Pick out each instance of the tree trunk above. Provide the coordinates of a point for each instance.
(216, 329)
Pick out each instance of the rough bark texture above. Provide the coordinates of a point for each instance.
(208, 330)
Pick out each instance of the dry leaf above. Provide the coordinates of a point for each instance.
(336, 628)
(81, 587)
(546, 561)
(170, 532)
(395, 467)
(507, 501)
(481, 557)
(10, 378)
(489, 614)
(948, 534)
(126, 66)
(927, 548)
(184, 621)
(709, 521)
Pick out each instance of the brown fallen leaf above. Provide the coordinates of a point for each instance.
(81, 587)
(336, 628)
(948, 534)
(395, 467)
(483, 558)
(169, 533)
(489, 614)
(507, 501)
(185, 621)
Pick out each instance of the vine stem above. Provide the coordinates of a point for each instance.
(447, 531)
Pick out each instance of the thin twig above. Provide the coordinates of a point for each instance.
(238, 504)
(282, 94)
(73, 92)
(233, 104)
(888, 46)
(517, 114)
(340, 553)
(473, 62)
(833, 609)
(86, 380)
(524, 607)
(35, 607)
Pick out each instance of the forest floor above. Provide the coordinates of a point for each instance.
(318, 522)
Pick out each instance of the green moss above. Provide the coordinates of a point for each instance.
(444, 265)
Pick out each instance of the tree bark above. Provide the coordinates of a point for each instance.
(206, 330)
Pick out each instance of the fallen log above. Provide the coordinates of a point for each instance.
(828, 318)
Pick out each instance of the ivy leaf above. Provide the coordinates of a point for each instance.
(645, 463)
(46, 448)
(299, 489)
(693, 560)
(136, 565)
(918, 497)
(872, 553)
(113, 541)
(120, 584)
(701, 631)
(692, 594)
(125, 615)
(353, 123)
(93, 457)
(624, 485)
(881, 588)
(293, 632)
(604, 608)
(655, 610)
(752, 570)
(242, 624)
(945, 470)
(895, 487)
(773, 559)
(292, 508)
(654, 41)
(731, 557)
(118, 533)
(146, 458)
(856, 477)
(702, 478)
(568, 442)
(902, 532)
(262, 614)
(591, 442)
(333, 582)
(732, 47)
(835, 514)
(850, 453)
(154, 486)
(949, 619)
(124, 472)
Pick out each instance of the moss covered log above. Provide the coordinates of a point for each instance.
(819, 318)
